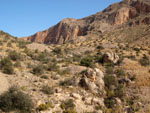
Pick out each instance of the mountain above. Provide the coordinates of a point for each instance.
(115, 15)
(102, 67)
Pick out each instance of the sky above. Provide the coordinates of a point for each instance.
(22, 18)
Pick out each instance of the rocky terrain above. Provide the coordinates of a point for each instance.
(98, 64)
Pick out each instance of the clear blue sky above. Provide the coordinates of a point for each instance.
(26, 17)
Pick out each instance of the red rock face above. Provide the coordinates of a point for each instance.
(124, 14)
(58, 34)
(112, 16)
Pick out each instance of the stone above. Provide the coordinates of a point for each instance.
(76, 96)
(110, 57)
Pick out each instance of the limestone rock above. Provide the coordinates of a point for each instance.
(110, 57)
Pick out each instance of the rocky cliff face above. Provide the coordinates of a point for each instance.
(114, 15)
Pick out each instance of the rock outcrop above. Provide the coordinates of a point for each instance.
(108, 19)
(110, 57)
(92, 80)
(63, 31)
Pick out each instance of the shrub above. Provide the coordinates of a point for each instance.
(47, 89)
(119, 91)
(6, 65)
(144, 61)
(14, 99)
(8, 70)
(52, 67)
(110, 70)
(67, 82)
(14, 55)
(86, 61)
(57, 50)
(38, 70)
(68, 104)
(109, 81)
(120, 72)
(43, 107)
(109, 102)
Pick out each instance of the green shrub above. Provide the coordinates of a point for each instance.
(47, 89)
(110, 70)
(109, 81)
(52, 67)
(14, 99)
(119, 91)
(109, 102)
(68, 104)
(8, 70)
(38, 70)
(120, 72)
(86, 61)
(144, 61)
(6, 65)
(57, 50)
(43, 107)
(67, 82)
(15, 55)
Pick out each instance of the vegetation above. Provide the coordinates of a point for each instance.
(14, 99)
(57, 50)
(38, 70)
(6, 65)
(86, 61)
(68, 106)
(47, 89)
(144, 61)
(13, 55)
(43, 107)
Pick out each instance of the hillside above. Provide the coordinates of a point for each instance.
(103, 65)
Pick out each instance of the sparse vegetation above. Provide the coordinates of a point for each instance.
(87, 61)
(145, 61)
(14, 99)
(68, 106)
(47, 89)
(38, 70)
(43, 107)
(13, 55)
(6, 65)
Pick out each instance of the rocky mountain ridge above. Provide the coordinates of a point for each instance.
(110, 18)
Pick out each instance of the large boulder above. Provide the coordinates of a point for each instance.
(92, 80)
(110, 57)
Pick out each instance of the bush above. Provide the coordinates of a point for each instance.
(109, 81)
(6, 65)
(67, 105)
(86, 61)
(14, 56)
(109, 102)
(144, 61)
(119, 91)
(48, 90)
(38, 70)
(8, 70)
(52, 67)
(57, 50)
(14, 99)
(43, 107)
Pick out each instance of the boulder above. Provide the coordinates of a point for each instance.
(92, 80)
(110, 57)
